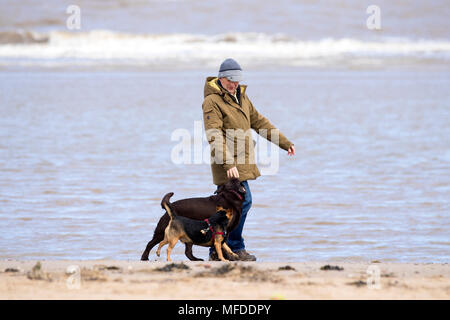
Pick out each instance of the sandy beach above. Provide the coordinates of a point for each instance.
(114, 279)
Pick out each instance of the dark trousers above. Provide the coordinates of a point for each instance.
(235, 239)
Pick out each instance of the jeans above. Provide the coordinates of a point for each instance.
(235, 240)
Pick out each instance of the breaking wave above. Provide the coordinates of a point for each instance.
(102, 47)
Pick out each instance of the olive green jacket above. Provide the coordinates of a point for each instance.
(234, 148)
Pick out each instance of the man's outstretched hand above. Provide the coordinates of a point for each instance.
(291, 150)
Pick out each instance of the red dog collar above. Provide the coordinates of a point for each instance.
(237, 194)
(212, 230)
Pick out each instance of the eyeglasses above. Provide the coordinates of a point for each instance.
(233, 82)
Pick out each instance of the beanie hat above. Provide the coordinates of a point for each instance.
(231, 70)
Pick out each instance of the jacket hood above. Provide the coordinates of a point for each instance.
(212, 87)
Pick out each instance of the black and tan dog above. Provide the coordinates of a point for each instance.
(207, 233)
(229, 196)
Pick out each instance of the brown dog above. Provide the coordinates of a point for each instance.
(207, 233)
(229, 196)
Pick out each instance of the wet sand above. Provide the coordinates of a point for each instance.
(119, 279)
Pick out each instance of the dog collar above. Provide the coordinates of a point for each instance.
(212, 230)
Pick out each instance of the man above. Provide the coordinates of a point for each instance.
(226, 110)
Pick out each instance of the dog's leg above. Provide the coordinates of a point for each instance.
(158, 236)
(150, 245)
(165, 241)
(188, 253)
(229, 251)
(161, 244)
(218, 244)
(172, 242)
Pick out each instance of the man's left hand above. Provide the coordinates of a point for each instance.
(291, 150)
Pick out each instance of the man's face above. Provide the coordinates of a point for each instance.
(230, 86)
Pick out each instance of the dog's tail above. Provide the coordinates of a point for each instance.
(165, 204)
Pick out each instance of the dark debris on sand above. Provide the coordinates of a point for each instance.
(37, 273)
(328, 268)
(239, 272)
(358, 283)
(173, 266)
(286, 268)
(111, 268)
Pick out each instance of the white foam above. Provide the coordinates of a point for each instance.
(114, 48)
